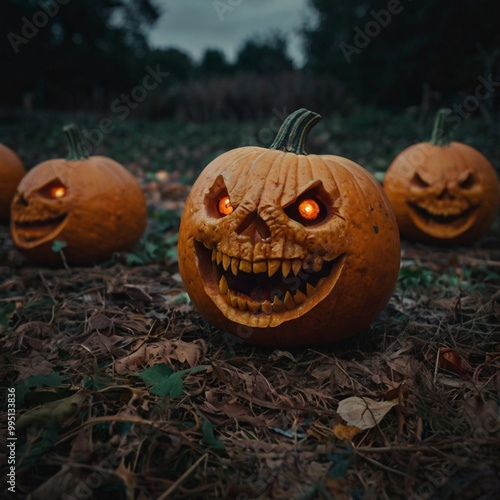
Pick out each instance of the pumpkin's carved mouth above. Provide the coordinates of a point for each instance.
(443, 222)
(35, 230)
(442, 215)
(266, 292)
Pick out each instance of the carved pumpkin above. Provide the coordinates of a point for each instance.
(282, 248)
(11, 172)
(442, 191)
(93, 204)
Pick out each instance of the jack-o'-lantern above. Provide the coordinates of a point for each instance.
(11, 172)
(90, 203)
(283, 248)
(442, 191)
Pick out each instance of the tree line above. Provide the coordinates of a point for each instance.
(73, 55)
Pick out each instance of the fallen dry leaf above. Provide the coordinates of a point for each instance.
(162, 352)
(405, 365)
(452, 361)
(483, 414)
(63, 410)
(364, 413)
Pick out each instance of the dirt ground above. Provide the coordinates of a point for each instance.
(124, 392)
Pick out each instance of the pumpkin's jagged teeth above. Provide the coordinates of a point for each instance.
(267, 307)
(245, 266)
(260, 266)
(272, 266)
(253, 306)
(299, 297)
(226, 261)
(233, 299)
(307, 263)
(219, 257)
(296, 266)
(320, 282)
(242, 303)
(277, 304)
(289, 302)
(286, 266)
(223, 287)
(310, 290)
(214, 255)
(207, 245)
(317, 265)
(235, 262)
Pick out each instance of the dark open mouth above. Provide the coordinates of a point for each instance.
(38, 229)
(442, 218)
(268, 286)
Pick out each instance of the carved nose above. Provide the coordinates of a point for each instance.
(445, 195)
(255, 226)
(262, 231)
(22, 200)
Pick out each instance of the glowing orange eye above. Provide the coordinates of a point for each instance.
(224, 206)
(57, 191)
(309, 209)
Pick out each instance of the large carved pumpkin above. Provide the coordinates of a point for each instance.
(11, 172)
(282, 248)
(93, 204)
(442, 191)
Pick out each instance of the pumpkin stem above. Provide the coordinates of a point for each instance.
(75, 143)
(293, 133)
(441, 133)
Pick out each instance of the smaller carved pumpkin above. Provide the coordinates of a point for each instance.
(93, 204)
(442, 191)
(11, 172)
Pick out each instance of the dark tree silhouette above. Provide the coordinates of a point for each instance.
(70, 52)
(264, 56)
(386, 51)
(214, 63)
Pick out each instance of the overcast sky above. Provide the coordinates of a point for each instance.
(194, 25)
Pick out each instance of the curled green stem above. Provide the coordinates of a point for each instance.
(293, 133)
(441, 132)
(75, 144)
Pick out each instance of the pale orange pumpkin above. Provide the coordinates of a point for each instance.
(91, 204)
(442, 191)
(11, 172)
(282, 248)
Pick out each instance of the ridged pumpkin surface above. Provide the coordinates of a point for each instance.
(94, 205)
(442, 192)
(11, 172)
(308, 251)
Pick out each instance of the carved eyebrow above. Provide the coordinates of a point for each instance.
(463, 176)
(218, 186)
(48, 185)
(310, 185)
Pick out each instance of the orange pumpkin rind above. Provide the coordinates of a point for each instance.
(93, 204)
(266, 273)
(11, 172)
(442, 191)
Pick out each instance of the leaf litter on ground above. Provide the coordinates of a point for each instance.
(165, 403)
